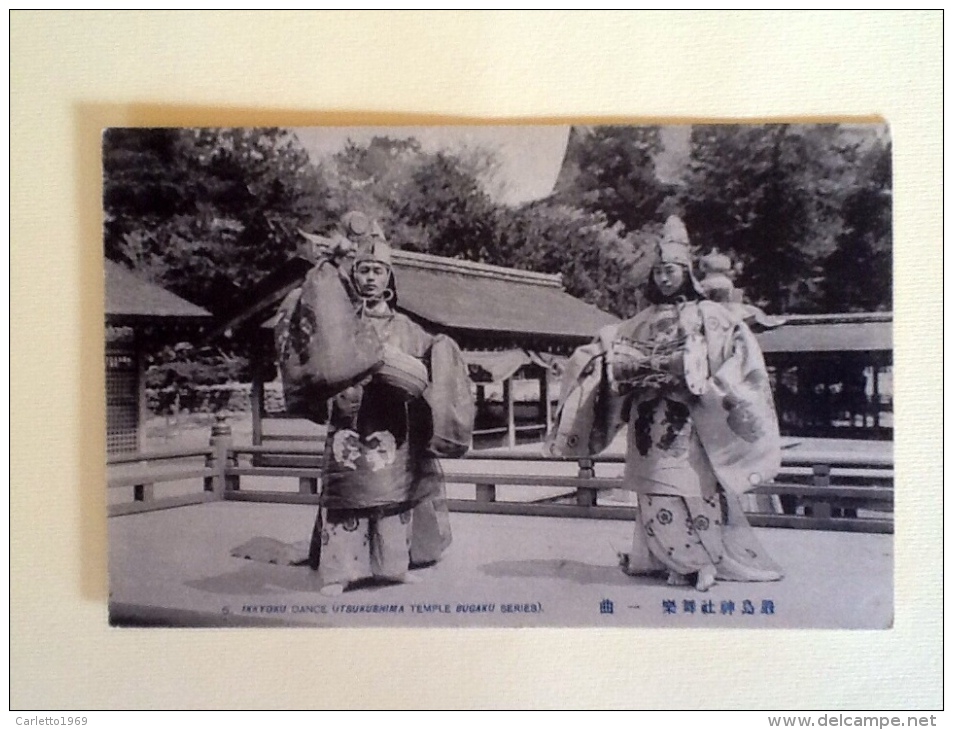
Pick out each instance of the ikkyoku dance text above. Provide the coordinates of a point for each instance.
(409, 608)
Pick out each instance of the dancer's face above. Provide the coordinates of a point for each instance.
(370, 277)
(669, 278)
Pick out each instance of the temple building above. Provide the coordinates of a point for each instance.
(832, 374)
(140, 317)
(516, 328)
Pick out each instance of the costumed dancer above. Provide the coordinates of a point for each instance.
(383, 499)
(688, 378)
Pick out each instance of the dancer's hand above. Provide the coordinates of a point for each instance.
(606, 337)
(674, 364)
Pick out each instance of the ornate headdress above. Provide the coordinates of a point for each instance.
(716, 280)
(373, 250)
(673, 248)
(717, 269)
(368, 238)
(357, 235)
(370, 245)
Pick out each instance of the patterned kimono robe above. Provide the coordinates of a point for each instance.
(383, 496)
(690, 382)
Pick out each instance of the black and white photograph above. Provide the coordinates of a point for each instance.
(564, 375)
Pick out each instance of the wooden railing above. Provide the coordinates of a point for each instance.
(139, 471)
(143, 475)
(844, 493)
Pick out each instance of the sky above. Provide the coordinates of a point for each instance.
(530, 157)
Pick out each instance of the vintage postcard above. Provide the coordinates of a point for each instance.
(500, 376)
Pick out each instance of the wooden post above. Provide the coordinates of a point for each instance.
(142, 409)
(220, 459)
(876, 397)
(257, 396)
(485, 492)
(544, 397)
(480, 410)
(585, 496)
(510, 405)
(779, 393)
(822, 478)
(307, 485)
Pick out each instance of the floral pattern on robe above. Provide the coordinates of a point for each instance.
(690, 381)
(730, 400)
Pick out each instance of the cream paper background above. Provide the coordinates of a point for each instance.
(75, 73)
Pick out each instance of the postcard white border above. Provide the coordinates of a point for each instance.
(74, 73)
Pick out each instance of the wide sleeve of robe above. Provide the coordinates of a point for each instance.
(450, 400)
(734, 415)
(589, 415)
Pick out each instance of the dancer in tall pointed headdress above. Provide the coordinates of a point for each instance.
(688, 378)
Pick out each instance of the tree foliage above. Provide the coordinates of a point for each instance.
(373, 176)
(431, 201)
(599, 262)
(859, 269)
(804, 209)
(444, 210)
(611, 170)
(437, 202)
(776, 197)
(207, 212)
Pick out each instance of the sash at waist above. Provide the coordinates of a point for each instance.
(372, 471)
